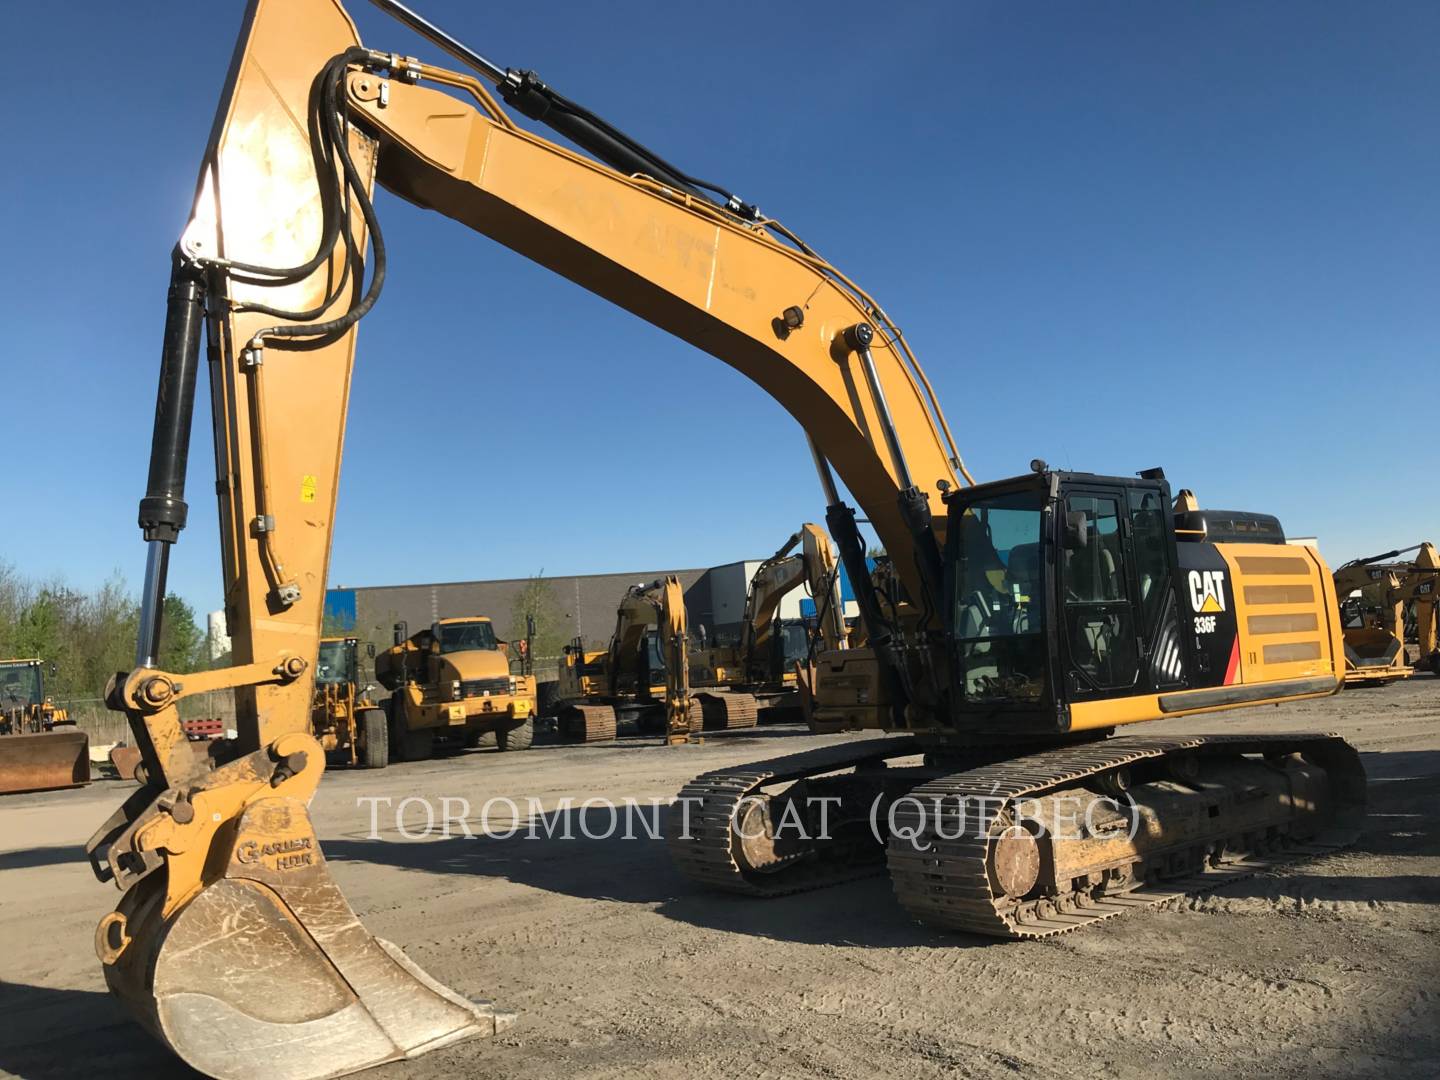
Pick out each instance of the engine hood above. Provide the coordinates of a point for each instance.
(476, 664)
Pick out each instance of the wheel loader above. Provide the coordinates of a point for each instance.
(40, 746)
(451, 683)
(345, 719)
(1036, 619)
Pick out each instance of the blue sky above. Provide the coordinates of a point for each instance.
(1118, 235)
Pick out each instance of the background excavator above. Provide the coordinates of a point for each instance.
(642, 676)
(1374, 593)
(1040, 612)
(40, 746)
(1417, 590)
(758, 673)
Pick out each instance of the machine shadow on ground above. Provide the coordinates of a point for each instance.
(595, 865)
(599, 862)
(29, 858)
(58, 1034)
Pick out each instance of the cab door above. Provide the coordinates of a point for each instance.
(1099, 625)
(1152, 557)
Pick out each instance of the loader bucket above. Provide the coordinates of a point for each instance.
(267, 973)
(43, 760)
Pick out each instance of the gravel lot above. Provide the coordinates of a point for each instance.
(619, 968)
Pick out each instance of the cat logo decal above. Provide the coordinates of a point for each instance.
(1207, 590)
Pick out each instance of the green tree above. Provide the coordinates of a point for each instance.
(39, 629)
(182, 642)
(536, 600)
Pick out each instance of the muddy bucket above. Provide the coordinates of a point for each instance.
(267, 974)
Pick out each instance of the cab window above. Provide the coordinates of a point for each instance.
(462, 637)
(997, 604)
(1099, 620)
(1148, 516)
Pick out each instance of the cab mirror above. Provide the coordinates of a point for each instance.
(1077, 530)
(402, 631)
(370, 649)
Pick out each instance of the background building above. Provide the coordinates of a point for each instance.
(582, 605)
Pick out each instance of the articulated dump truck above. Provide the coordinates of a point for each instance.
(40, 746)
(452, 682)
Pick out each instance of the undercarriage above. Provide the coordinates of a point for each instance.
(710, 710)
(987, 841)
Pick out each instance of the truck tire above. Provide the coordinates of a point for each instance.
(374, 739)
(477, 739)
(517, 738)
(419, 744)
(407, 745)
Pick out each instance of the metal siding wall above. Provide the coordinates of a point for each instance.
(587, 602)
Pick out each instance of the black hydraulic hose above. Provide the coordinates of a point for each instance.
(1379, 558)
(331, 75)
(528, 94)
(324, 103)
(377, 240)
(525, 91)
(822, 611)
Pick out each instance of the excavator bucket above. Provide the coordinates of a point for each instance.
(267, 974)
(1374, 654)
(43, 760)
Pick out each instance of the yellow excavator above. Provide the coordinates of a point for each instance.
(1041, 613)
(1417, 589)
(1397, 603)
(1373, 593)
(643, 674)
(758, 674)
(41, 748)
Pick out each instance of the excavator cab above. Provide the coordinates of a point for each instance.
(791, 643)
(338, 663)
(1061, 584)
(651, 671)
(21, 694)
(1072, 593)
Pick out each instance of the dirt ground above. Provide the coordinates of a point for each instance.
(620, 968)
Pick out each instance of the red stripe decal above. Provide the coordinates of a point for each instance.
(1234, 664)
